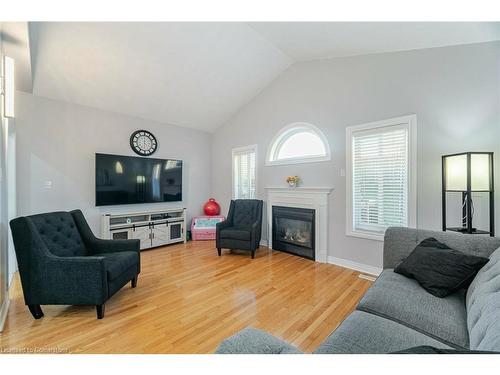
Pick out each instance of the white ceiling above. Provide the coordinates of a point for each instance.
(187, 74)
(200, 74)
(321, 40)
(15, 44)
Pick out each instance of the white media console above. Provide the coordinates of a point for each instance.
(152, 228)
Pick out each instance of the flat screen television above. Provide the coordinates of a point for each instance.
(129, 179)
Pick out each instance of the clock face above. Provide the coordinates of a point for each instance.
(143, 142)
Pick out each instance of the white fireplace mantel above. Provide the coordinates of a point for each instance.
(315, 198)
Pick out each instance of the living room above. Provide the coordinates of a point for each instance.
(250, 187)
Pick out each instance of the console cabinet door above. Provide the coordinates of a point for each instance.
(160, 234)
(176, 232)
(121, 234)
(144, 235)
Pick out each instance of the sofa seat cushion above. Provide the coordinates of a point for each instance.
(483, 306)
(396, 297)
(119, 262)
(365, 333)
(240, 232)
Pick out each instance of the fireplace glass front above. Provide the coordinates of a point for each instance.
(293, 230)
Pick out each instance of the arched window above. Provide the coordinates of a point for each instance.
(298, 143)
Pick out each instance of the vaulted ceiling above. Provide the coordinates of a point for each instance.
(200, 74)
(323, 40)
(187, 74)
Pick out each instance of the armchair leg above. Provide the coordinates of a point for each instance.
(253, 254)
(36, 311)
(133, 282)
(219, 251)
(100, 311)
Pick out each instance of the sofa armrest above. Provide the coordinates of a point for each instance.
(98, 246)
(256, 233)
(220, 226)
(254, 341)
(75, 280)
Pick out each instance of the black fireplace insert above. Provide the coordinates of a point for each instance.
(294, 230)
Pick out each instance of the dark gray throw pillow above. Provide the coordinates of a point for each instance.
(439, 269)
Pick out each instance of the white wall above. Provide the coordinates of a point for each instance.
(57, 142)
(454, 92)
(3, 211)
(7, 199)
(11, 198)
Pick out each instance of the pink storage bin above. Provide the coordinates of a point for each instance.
(203, 227)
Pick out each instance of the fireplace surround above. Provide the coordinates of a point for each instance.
(313, 198)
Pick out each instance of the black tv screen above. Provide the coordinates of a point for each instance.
(129, 179)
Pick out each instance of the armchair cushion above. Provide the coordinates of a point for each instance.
(245, 212)
(59, 233)
(241, 232)
(119, 262)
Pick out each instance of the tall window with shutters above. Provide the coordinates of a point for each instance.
(381, 165)
(244, 172)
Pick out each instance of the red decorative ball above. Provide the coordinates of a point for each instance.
(211, 208)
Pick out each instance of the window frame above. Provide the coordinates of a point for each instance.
(290, 130)
(410, 122)
(238, 150)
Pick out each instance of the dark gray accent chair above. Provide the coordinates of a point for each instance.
(396, 314)
(242, 228)
(61, 262)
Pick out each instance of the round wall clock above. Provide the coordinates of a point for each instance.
(143, 142)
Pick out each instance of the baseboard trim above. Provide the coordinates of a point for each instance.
(263, 243)
(3, 312)
(355, 266)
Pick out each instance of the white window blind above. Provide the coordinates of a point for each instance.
(380, 178)
(244, 172)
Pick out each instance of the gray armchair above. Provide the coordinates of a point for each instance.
(242, 228)
(61, 262)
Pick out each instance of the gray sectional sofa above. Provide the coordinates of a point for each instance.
(396, 313)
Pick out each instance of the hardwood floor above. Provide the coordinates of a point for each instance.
(188, 299)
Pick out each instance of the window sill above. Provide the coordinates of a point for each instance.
(366, 235)
(298, 160)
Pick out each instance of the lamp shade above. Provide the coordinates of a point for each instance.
(480, 172)
(456, 171)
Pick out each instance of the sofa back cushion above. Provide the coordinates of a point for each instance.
(59, 233)
(400, 242)
(483, 306)
(246, 211)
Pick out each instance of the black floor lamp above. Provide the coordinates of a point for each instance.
(467, 173)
